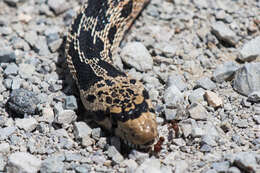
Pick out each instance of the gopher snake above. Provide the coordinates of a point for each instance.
(117, 102)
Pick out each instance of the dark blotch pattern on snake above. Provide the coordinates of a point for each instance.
(117, 102)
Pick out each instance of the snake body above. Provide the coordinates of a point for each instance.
(115, 100)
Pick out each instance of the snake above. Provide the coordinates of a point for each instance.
(117, 101)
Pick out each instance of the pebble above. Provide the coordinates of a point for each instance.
(176, 80)
(23, 162)
(245, 161)
(250, 50)
(11, 69)
(65, 117)
(27, 124)
(205, 148)
(51, 165)
(149, 166)
(58, 6)
(221, 166)
(131, 165)
(23, 102)
(181, 166)
(81, 130)
(197, 95)
(225, 72)
(4, 148)
(114, 154)
(136, 55)
(213, 99)
(7, 55)
(205, 83)
(197, 132)
(173, 97)
(71, 103)
(197, 112)
(247, 79)
(254, 96)
(224, 33)
(6, 132)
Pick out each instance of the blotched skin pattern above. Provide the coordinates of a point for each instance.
(115, 100)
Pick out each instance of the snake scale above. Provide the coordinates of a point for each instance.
(115, 100)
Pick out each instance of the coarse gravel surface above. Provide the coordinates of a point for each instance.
(199, 60)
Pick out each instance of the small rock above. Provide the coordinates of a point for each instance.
(130, 164)
(224, 33)
(47, 115)
(250, 50)
(73, 157)
(4, 148)
(71, 103)
(136, 55)
(96, 133)
(176, 80)
(247, 79)
(66, 117)
(209, 140)
(205, 148)
(197, 95)
(254, 96)
(138, 156)
(6, 132)
(181, 166)
(149, 166)
(51, 165)
(173, 97)
(170, 114)
(11, 69)
(197, 112)
(81, 130)
(58, 6)
(23, 162)
(197, 132)
(27, 124)
(7, 55)
(233, 170)
(23, 102)
(114, 154)
(224, 72)
(221, 166)
(205, 83)
(213, 99)
(55, 45)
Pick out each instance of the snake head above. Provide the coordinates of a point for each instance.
(136, 124)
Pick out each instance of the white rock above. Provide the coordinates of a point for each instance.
(213, 99)
(250, 50)
(23, 162)
(136, 55)
(27, 124)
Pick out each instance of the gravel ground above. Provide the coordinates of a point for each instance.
(198, 59)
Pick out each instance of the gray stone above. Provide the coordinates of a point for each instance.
(6, 132)
(11, 69)
(197, 95)
(27, 124)
(225, 72)
(205, 83)
(31, 37)
(150, 165)
(136, 55)
(224, 33)
(41, 46)
(247, 79)
(176, 80)
(254, 96)
(58, 6)
(221, 166)
(205, 148)
(16, 83)
(55, 45)
(81, 169)
(81, 130)
(250, 50)
(7, 55)
(131, 165)
(96, 133)
(52, 165)
(2, 163)
(170, 114)
(73, 157)
(138, 156)
(114, 154)
(173, 97)
(5, 30)
(197, 112)
(71, 103)
(209, 140)
(197, 132)
(181, 166)
(23, 162)
(23, 102)
(26, 70)
(4, 148)
(12, 3)
(65, 117)
(211, 171)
